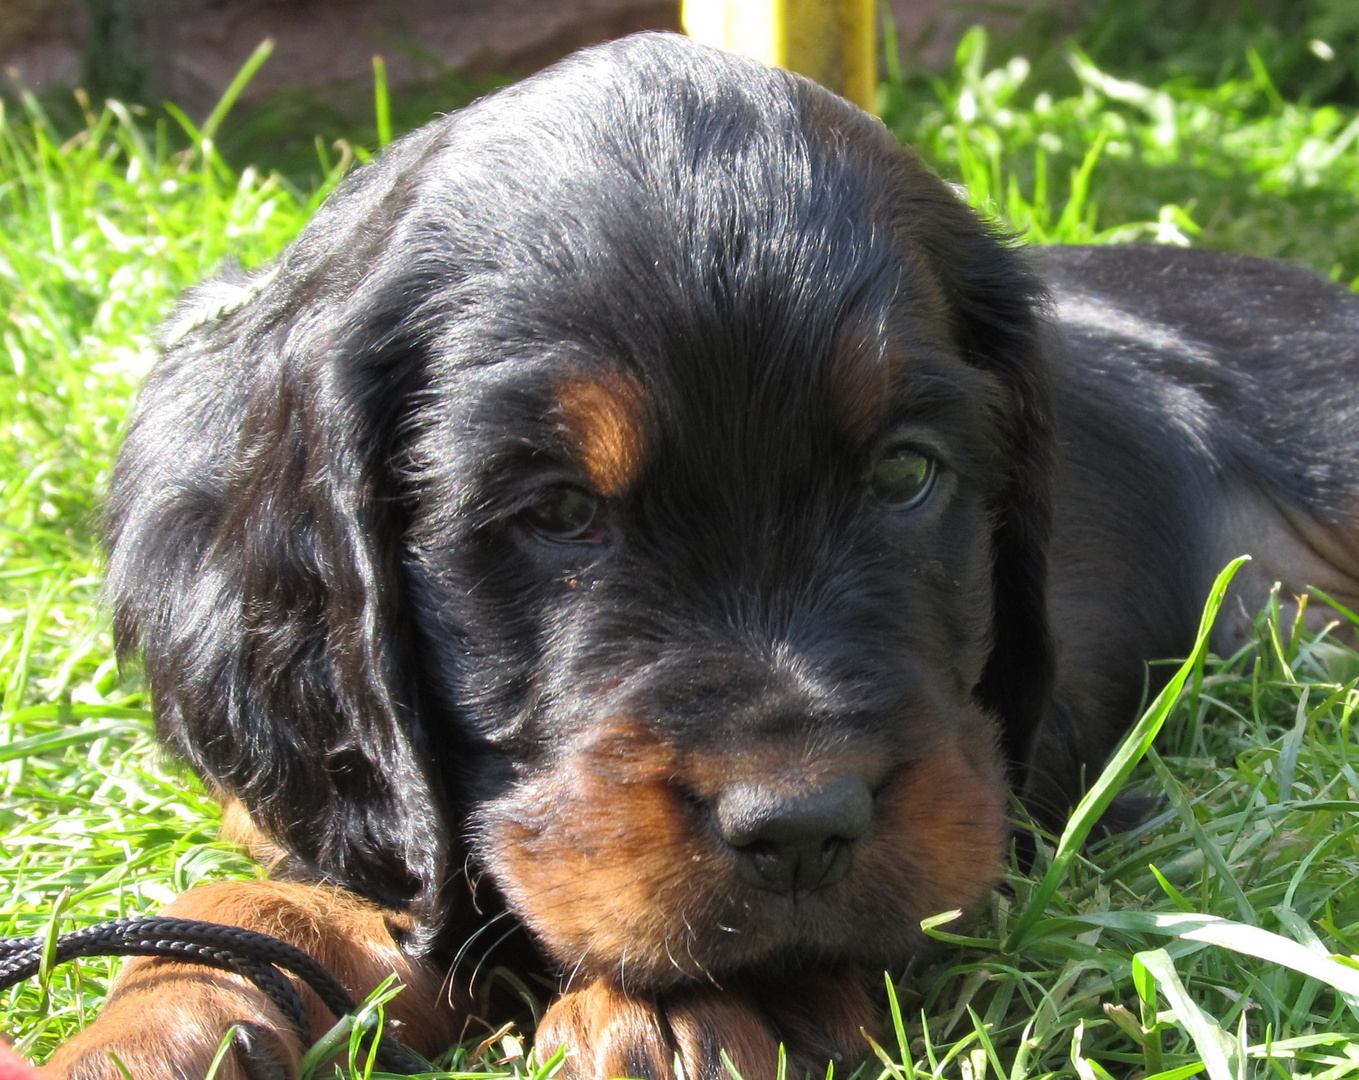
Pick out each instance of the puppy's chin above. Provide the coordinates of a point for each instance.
(613, 856)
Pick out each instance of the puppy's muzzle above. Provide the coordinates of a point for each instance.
(795, 840)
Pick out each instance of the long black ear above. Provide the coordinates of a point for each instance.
(254, 531)
(996, 304)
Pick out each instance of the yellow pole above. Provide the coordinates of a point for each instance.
(831, 41)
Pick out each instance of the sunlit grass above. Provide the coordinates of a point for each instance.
(1233, 167)
(99, 233)
(1112, 972)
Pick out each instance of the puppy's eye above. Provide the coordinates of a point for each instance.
(902, 478)
(566, 514)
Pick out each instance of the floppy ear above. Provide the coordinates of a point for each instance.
(254, 530)
(996, 305)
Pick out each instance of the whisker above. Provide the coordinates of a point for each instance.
(471, 983)
(461, 954)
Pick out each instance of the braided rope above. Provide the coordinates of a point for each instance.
(255, 956)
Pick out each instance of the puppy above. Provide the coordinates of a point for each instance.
(644, 530)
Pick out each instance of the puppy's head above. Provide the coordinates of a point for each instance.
(636, 483)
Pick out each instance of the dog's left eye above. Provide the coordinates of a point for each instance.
(901, 478)
(567, 515)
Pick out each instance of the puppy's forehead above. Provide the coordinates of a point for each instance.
(711, 249)
(645, 164)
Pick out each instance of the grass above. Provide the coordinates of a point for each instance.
(1217, 939)
(98, 234)
(1235, 167)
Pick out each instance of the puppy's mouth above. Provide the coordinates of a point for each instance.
(635, 861)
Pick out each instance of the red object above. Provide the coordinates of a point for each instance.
(13, 1067)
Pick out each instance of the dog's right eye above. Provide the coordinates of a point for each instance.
(567, 515)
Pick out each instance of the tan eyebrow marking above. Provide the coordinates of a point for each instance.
(603, 418)
(860, 378)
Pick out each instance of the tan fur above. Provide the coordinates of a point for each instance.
(165, 1019)
(861, 376)
(941, 826)
(603, 419)
(239, 828)
(608, 1032)
(600, 860)
(612, 867)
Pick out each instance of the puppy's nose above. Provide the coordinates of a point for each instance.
(794, 840)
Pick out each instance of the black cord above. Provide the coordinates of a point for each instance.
(257, 957)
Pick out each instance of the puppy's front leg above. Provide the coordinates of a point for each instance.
(164, 1020)
(609, 1033)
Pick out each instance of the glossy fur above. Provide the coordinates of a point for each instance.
(711, 300)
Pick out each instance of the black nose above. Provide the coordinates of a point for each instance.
(794, 839)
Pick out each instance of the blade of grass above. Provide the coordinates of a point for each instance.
(1239, 937)
(1175, 793)
(382, 102)
(1217, 1049)
(239, 82)
(1120, 766)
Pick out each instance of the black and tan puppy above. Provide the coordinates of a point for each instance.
(651, 501)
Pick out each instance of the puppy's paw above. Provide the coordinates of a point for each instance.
(167, 1022)
(694, 1032)
(608, 1033)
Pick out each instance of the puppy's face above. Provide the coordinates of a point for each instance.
(632, 488)
(702, 555)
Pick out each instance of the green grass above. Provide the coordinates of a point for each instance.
(1201, 943)
(1234, 167)
(98, 234)
(1311, 47)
